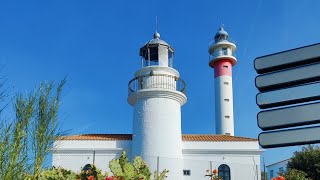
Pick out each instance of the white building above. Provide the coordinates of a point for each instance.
(157, 93)
(277, 168)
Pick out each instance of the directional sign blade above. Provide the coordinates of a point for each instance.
(289, 96)
(310, 135)
(289, 117)
(288, 59)
(304, 74)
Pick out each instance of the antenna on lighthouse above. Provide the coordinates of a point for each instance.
(220, 21)
(156, 34)
(156, 24)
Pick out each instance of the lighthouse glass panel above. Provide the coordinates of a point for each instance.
(224, 172)
(163, 56)
(224, 51)
(233, 53)
(150, 57)
(170, 57)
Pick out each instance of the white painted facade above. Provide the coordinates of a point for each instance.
(243, 158)
(224, 105)
(75, 154)
(276, 168)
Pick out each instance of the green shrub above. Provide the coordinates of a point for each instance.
(57, 173)
(138, 170)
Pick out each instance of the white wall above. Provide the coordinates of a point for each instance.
(276, 168)
(241, 166)
(243, 158)
(73, 155)
(222, 108)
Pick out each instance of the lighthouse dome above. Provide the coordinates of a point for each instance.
(222, 32)
(221, 35)
(156, 40)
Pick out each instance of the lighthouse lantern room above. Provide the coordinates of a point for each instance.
(157, 53)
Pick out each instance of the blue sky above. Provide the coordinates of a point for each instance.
(96, 44)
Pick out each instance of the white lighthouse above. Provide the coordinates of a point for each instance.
(157, 94)
(222, 58)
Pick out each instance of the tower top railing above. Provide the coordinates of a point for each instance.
(156, 81)
(212, 42)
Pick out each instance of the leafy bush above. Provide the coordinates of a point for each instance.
(122, 169)
(57, 173)
(293, 174)
(91, 172)
(307, 161)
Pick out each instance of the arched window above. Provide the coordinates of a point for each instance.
(224, 172)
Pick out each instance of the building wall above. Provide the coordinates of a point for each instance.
(276, 168)
(243, 158)
(74, 155)
(241, 166)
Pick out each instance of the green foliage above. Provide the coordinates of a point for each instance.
(14, 140)
(115, 167)
(57, 174)
(308, 161)
(264, 176)
(161, 176)
(45, 126)
(123, 169)
(214, 175)
(25, 141)
(293, 174)
(92, 171)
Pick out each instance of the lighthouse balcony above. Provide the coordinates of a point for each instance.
(222, 53)
(213, 44)
(156, 81)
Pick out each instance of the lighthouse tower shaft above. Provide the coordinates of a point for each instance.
(157, 94)
(222, 59)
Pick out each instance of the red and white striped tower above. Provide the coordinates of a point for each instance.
(222, 58)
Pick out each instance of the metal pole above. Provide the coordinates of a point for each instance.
(94, 156)
(211, 167)
(257, 172)
(158, 165)
(264, 170)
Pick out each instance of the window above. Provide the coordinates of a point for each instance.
(226, 83)
(224, 51)
(224, 66)
(281, 171)
(227, 117)
(186, 172)
(170, 57)
(150, 56)
(226, 100)
(224, 172)
(271, 174)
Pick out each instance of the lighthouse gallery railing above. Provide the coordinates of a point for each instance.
(162, 81)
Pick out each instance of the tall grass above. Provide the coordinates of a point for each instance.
(25, 141)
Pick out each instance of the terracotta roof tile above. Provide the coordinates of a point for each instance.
(185, 137)
(214, 137)
(104, 137)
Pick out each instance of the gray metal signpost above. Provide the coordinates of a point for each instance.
(289, 85)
